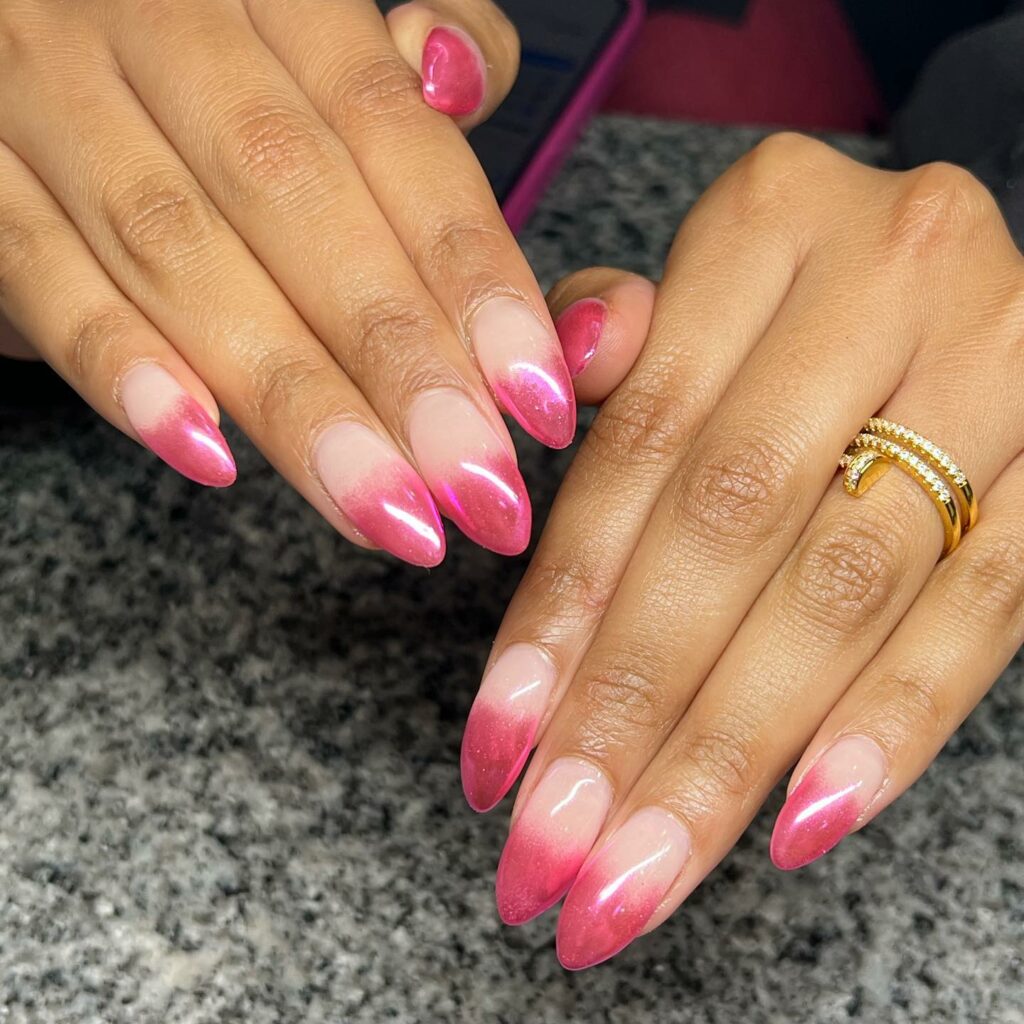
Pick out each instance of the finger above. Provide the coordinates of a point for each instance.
(467, 54)
(56, 293)
(171, 253)
(703, 570)
(602, 317)
(288, 186)
(699, 337)
(434, 194)
(890, 724)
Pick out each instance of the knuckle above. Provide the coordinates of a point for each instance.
(770, 171)
(282, 381)
(161, 222)
(640, 425)
(939, 204)
(989, 577)
(909, 701)
(718, 763)
(463, 243)
(740, 492)
(843, 577)
(21, 244)
(570, 586)
(621, 698)
(275, 154)
(379, 89)
(94, 336)
(386, 330)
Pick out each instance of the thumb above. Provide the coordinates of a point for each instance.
(602, 316)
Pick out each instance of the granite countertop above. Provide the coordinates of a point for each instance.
(229, 755)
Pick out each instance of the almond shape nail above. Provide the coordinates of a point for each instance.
(380, 493)
(174, 426)
(453, 71)
(551, 838)
(467, 467)
(618, 891)
(503, 722)
(828, 801)
(523, 362)
(579, 330)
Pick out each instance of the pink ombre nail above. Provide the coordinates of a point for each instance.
(469, 470)
(828, 801)
(454, 73)
(380, 493)
(503, 721)
(522, 361)
(173, 425)
(551, 839)
(579, 330)
(619, 890)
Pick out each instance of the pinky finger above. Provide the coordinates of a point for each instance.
(947, 652)
(57, 296)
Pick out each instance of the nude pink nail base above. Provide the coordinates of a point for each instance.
(523, 362)
(453, 71)
(469, 470)
(502, 723)
(380, 493)
(579, 330)
(551, 838)
(174, 426)
(619, 890)
(828, 801)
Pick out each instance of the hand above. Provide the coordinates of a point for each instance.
(707, 605)
(253, 204)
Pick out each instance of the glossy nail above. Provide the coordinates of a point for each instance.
(380, 493)
(173, 425)
(503, 721)
(522, 361)
(468, 468)
(551, 838)
(579, 330)
(620, 889)
(828, 801)
(453, 71)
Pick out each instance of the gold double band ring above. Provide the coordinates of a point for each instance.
(882, 444)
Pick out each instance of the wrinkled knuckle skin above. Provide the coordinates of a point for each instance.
(910, 704)
(718, 766)
(940, 204)
(94, 337)
(381, 89)
(843, 578)
(387, 334)
(274, 155)
(618, 700)
(771, 172)
(283, 382)
(19, 245)
(162, 224)
(571, 589)
(640, 425)
(462, 245)
(989, 578)
(737, 493)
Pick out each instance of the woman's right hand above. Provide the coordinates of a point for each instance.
(253, 204)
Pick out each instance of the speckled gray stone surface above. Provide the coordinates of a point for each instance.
(229, 756)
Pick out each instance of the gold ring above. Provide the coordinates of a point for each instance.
(882, 443)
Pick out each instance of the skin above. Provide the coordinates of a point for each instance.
(291, 231)
(715, 607)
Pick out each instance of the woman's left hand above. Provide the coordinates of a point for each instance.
(707, 605)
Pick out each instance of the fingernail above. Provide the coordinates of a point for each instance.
(503, 722)
(828, 801)
(173, 425)
(523, 363)
(551, 838)
(380, 493)
(453, 71)
(620, 889)
(467, 467)
(579, 330)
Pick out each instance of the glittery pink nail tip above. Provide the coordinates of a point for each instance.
(453, 72)
(579, 330)
(174, 426)
(828, 802)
